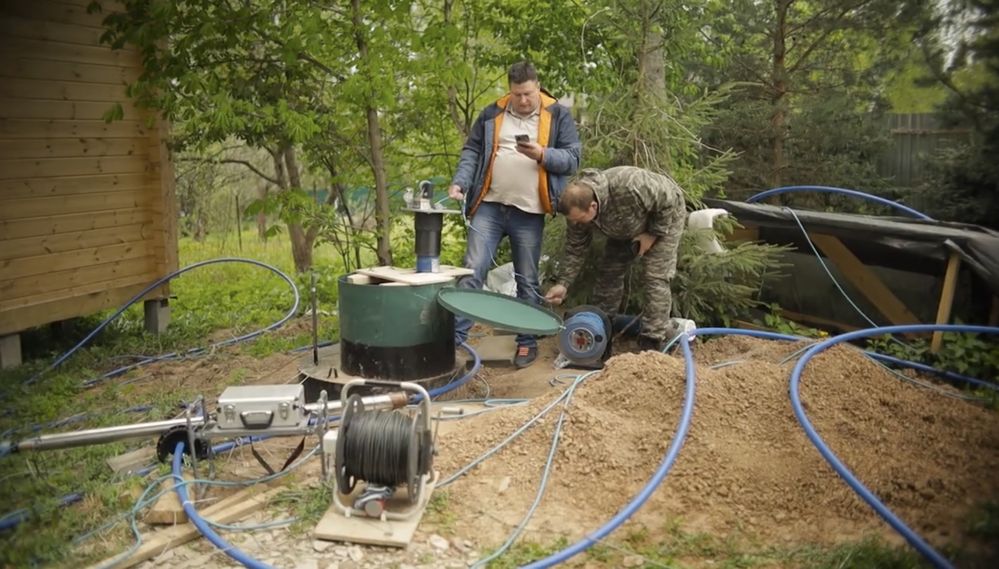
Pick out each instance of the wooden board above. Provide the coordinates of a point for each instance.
(497, 349)
(50, 127)
(140, 198)
(64, 110)
(58, 51)
(865, 280)
(133, 460)
(168, 510)
(410, 276)
(62, 90)
(78, 292)
(112, 296)
(67, 13)
(71, 147)
(334, 526)
(21, 27)
(34, 287)
(56, 224)
(26, 67)
(60, 243)
(233, 508)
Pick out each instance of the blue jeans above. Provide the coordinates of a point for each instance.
(493, 221)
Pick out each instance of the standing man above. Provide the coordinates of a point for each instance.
(512, 170)
(643, 215)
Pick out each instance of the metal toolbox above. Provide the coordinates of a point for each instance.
(249, 407)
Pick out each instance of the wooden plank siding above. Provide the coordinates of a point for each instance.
(87, 207)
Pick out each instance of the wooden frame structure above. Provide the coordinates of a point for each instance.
(87, 208)
(874, 289)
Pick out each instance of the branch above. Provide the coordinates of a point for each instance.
(246, 163)
(829, 30)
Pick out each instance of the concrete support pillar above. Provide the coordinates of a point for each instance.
(157, 313)
(10, 351)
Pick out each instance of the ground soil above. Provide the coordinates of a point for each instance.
(747, 466)
(747, 469)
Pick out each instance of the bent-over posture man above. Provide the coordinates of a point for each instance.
(643, 215)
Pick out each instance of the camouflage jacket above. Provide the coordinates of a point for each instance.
(630, 201)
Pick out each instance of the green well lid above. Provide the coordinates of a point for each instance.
(500, 311)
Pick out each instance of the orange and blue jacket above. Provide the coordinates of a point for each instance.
(556, 133)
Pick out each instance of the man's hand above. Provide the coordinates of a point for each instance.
(556, 294)
(645, 242)
(454, 192)
(532, 150)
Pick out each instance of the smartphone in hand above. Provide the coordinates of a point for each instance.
(522, 139)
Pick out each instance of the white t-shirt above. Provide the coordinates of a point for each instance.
(515, 176)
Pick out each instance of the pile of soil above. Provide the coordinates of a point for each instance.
(747, 467)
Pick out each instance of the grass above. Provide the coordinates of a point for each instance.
(210, 304)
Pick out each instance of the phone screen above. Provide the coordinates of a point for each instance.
(522, 139)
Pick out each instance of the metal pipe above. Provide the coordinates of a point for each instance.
(395, 400)
(103, 435)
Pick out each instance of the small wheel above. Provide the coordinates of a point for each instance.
(168, 443)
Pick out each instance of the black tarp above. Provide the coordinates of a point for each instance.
(894, 242)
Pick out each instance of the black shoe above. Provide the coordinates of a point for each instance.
(646, 343)
(525, 356)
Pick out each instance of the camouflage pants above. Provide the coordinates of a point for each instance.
(660, 268)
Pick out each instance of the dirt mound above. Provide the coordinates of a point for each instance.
(746, 466)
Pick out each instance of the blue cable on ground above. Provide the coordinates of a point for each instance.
(16, 517)
(894, 521)
(943, 374)
(841, 191)
(664, 467)
(158, 283)
(200, 523)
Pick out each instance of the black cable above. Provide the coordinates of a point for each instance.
(377, 447)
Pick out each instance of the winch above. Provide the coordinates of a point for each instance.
(585, 338)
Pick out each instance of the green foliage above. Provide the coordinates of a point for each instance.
(967, 354)
(775, 321)
(815, 108)
(524, 552)
(307, 502)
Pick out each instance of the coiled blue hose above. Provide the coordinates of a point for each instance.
(842, 191)
(894, 521)
(160, 282)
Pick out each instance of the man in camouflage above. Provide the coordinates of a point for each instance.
(642, 214)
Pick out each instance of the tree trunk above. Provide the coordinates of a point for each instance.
(382, 215)
(651, 87)
(778, 100)
(262, 191)
(301, 239)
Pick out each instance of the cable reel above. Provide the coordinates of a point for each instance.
(585, 339)
(385, 450)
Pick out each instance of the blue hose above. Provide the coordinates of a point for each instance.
(160, 282)
(16, 517)
(842, 191)
(943, 374)
(223, 447)
(664, 467)
(200, 523)
(897, 524)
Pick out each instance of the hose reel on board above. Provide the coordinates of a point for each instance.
(385, 451)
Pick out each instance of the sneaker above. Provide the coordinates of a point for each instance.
(525, 356)
(645, 343)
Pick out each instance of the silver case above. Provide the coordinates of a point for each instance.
(262, 407)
